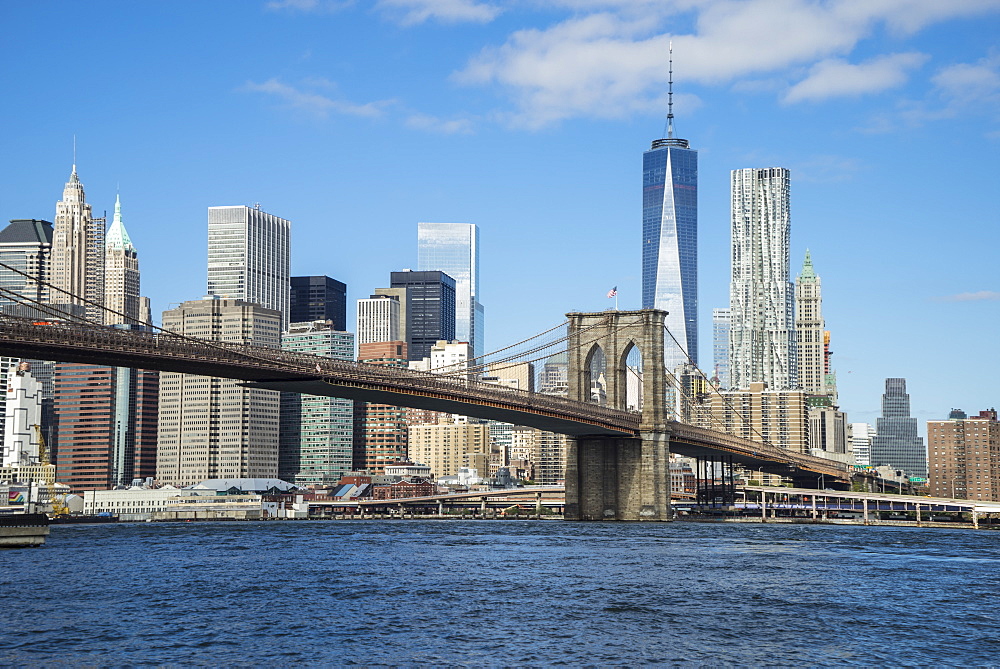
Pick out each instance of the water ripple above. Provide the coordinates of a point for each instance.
(479, 593)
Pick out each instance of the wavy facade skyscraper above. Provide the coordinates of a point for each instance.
(670, 239)
(761, 297)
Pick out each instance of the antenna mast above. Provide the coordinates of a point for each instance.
(670, 91)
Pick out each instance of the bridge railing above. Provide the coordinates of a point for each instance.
(300, 366)
(290, 365)
(769, 451)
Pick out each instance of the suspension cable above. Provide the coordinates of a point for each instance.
(725, 399)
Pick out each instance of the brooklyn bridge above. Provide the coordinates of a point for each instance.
(617, 460)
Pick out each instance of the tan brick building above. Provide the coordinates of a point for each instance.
(443, 446)
(963, 456)
(778, 417)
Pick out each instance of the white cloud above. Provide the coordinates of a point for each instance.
(959, 89)
(972, 297)
(967, 84)
(835, 77)
(315, 103)
(609, 58)
(461, 126)
(412, 12)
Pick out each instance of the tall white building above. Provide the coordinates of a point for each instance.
(379, 318)
(121, 274)
(23, 417)
(861, 435)
(447, 357)
(248, 257)
(212, 427)
(809, 333)
(453, 248)
(761, 300)
(78, 251)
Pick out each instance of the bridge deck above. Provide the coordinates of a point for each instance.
(299, 372)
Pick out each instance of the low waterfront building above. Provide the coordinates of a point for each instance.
(137, 502)
(682, 477)
(410, 486)
(244, 486)
(234, 507)
(405, 468)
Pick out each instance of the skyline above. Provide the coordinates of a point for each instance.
(531, 123)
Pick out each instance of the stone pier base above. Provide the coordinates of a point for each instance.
(611, 478)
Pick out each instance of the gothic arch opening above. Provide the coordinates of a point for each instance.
(594, 376)
(630, 377)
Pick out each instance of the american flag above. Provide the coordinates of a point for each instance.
(613, 292)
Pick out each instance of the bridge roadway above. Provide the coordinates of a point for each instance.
(276, 369)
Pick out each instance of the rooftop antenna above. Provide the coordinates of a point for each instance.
(670, 92)
(74, 152)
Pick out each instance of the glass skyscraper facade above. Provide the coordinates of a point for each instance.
(761, 298)
(316, 433)
(453, 248)
(896, 443)
(430, 309)
(670, 243)
(720, 345)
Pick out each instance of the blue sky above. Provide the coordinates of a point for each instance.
(356, 120)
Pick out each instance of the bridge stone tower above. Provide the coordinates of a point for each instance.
(619, 478)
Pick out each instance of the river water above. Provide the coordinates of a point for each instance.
(473, 593)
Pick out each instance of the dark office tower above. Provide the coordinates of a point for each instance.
(430, 309)
(670, 238)
(896, 443)
(107, 425)
(319, 298)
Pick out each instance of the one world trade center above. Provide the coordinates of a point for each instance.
(670, 239)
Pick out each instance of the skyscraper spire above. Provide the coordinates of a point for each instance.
(670, 235)
(670, 91)
(121, 273)
(117, 236)
(807, 268)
